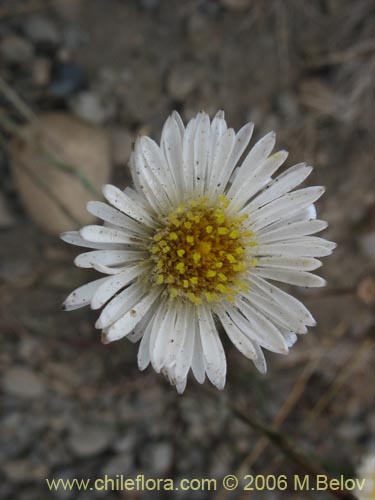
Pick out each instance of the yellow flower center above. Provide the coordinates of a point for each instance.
(200, 252)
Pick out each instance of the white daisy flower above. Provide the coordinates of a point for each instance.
(194, 245)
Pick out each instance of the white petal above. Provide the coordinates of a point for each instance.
(201, 153)
(284, 299)
(308, 246)
(74, 238)
(185, 331)
(284, 183)
(138, 198)
(238, 338)
(159, 167)
(188, 156)
(218, 127)
(197, 362)
(287, 205)
(149, 184)
(142, 188)
(163, 338)
(275, 312)
(306, 214)
(213, 352)
(257, 327)
(296, 263)
(171, 144)
(143, 356)
(299, 278)
(126, 323)
(82, 296)
(122, 202)
(179, 122)
(120, 305)
(269, 333)
(181, 386)
(291, 230)
(106, 269)
(289, 336)
(108, 257)
(116, 218)
(254, 160)
(102, 234)
(241, 142)
(139, 329)
(177, 340)
(221, 170)
(259, 178)
(114, 284)
(260, 361)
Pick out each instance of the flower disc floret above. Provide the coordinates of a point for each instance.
(200, 252)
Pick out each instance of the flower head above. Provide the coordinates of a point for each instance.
(194, 245)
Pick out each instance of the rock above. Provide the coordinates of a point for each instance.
(7, 219)
(42, 30)
(41, 72)
(126, 444)
(73, 38)
(150, 4)
(65, 475)
(24, 470)
(68, 9)
(367, 244)
(90, 440)
(16, 50)
(158, 457)
(122, 144)
(18, 271)
(120, 464)
(92, 108)
(366, 290)
(68, 78)
(204, 34)
(182, 80)
(236, 4)
(23, 383)
(72, 143)
(18, 433)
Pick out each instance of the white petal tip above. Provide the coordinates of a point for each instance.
(99, 324)
(96, 305)
(104, 338)
(67, 236)
(106, 188)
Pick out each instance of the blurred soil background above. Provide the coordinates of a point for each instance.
(79, 80)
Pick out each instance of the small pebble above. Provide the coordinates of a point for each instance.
(42, 30)
(90, 440)
(68, 78)
(41, 72)
(182, 80)
(92, 108)
(16, 50)
(7, 219)
(23, 383)
(366, 290)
